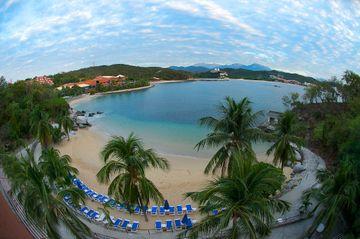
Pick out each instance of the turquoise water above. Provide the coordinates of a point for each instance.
(166, 116)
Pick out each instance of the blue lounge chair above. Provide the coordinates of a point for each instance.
(189, 208)
(178, 224)
(135, 226)
(100, 218)
(179, 209)
(215, 212)
(172, 210)
(158, 225)
(153, 210)
(137, 210)
(125, 223)
(169, 225)
(90, 213)
(189, 223)
(94, 215)
(162, 211)
(117, 222)
(84, 209)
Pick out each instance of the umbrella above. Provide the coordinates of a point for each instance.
(185, 219)
(166, 205)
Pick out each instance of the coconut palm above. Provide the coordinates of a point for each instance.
(126, 160)
(339, 192)
(41, 201)
(285, 140)
(67, 124)
(56, 166)
(246, 199)
(234, 131)
(41, 127)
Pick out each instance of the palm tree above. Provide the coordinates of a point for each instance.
(246, 199)
(41, 201)
(234, 131)
(285, 140)
(56, 167)
(127, 160)
(339, 192)
(41, 127)
(67, 124)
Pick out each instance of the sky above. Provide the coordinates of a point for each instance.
(319, 38)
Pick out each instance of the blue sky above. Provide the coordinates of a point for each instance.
(314, 37)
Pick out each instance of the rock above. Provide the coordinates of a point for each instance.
(298, 156)
(99, 112)
(82, 120)
(91, 114)
(298, 168)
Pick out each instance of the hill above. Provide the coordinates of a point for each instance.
(132, 72)
(203, 67)
(257, 75)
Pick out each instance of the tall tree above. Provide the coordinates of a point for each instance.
(42, 200)
(67, 125)
(56, 166)
(285, 140)
(126, 160)
(41, 127)
(339, 193)
(246, 199)
(234, 131)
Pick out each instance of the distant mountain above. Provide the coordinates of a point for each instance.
(194, 69)
(203, 67)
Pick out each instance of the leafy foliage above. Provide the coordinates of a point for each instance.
(40, 186)
(234, 131)
(246, 199)
(126, 161)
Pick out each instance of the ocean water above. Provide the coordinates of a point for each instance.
(166, 115)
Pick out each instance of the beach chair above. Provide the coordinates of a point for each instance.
(215, 212)
(172, 210)
(89, 213)
(105, 199)
(178, 224)
(137, 210)
(158, 225)
(154, 210)
(124, 224)
(94, 215)
(162, 211)
(189, 224)
(82, 210)
(135, 226)
(100, 218)
(179, 209)
(117, 222)
(169, 225)
(189, 208)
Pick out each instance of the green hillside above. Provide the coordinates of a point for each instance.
(132, 72)
(257, 75)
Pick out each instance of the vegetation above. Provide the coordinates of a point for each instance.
(27, 109)
(285, 140)
(127, 161)
(331, 113)
(234, 131)
(246, 199)
(132, 72)
(40, 186)
(257, 75)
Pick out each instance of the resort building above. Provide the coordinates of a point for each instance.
(71, 85)
(99, 80)
(44, 80)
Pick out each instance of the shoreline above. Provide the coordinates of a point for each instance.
(85, 97)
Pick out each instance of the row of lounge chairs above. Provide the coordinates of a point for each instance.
(91, 214)
(170, 225)
(154, 210)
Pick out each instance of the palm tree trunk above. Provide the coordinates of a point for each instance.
(142, 207)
